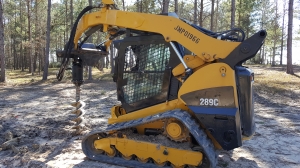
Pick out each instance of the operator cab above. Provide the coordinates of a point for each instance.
(143, 71)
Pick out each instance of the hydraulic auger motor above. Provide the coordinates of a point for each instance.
(81, 57)
(87, 55)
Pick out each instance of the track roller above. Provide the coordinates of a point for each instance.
(160, 164)
(127, 157)
(173, 166)
(142, 160)
(112, 153)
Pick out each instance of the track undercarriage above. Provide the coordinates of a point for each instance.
(119, 144)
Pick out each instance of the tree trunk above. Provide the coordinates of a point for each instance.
(46, 60)
(217, 16)
(15, 55)
(176, 6)
(21, 51)
(66, 21)
(139, 6)
(112, 62)
(106, 62)
(239, 13)
(35, 36)
(123, 4)
(21, 45)
(2, 56)
(232, 23)
(40, 61)
(15, 41)
(13, 51)
(137, 3)
(29, 37)
(275, 33)
(8, 54)
(90, 77)
(263, 60)
(201, 14)
(165, 6)
(282, 32)
(273, 56)
(71, 12)
(212, 15)
(289, 69)
(195, 11)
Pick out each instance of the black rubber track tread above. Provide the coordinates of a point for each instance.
(204, 142)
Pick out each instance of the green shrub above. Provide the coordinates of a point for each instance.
(54, 65)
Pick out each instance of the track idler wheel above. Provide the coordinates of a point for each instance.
(88, 145)
(176, 131)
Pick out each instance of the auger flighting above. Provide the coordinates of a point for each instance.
(77, 74)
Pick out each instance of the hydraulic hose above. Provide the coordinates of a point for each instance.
(70, 44)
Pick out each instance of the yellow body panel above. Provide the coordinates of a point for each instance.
(156, 109)
(108, 2)
(193, 62)
(220, 74)
(173, 30)
(145, 150)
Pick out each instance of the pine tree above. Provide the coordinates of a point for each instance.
(46, 64)
(289, 69)
(2, 56)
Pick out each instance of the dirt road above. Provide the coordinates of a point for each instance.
(38, 116)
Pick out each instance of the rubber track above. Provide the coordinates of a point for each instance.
(199, 135)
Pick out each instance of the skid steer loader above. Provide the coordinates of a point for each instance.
(183, 90)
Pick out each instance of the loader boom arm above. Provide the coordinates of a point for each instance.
(172, 29)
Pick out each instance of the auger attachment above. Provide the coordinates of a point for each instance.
(77, 79)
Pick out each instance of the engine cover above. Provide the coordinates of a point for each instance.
(215, 109)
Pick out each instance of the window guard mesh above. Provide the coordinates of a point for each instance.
(144, 71)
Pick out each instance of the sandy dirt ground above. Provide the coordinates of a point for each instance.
(38, 120)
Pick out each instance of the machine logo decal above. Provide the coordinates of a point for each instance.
(211, 97)
(209, 102)
(187, 34)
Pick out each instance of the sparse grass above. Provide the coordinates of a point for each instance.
(105, 75)
(272, 80)
(275, 80)
(17, 77)
(102, 92)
